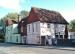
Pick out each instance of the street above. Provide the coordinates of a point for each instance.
(31, 49)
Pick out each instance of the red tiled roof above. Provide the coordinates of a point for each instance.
(43, 15)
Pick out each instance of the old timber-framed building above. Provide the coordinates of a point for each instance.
(42, 24)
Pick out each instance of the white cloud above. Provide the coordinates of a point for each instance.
(68, 14)
(10, 4)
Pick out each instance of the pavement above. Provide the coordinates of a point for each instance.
(32, 49)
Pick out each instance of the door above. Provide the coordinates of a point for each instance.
(43, 40)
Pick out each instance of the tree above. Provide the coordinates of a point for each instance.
(72, 25)
(24, 13)
(2, 30)
(12, 16)
(15, 15)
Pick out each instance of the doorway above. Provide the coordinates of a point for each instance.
(43, 40)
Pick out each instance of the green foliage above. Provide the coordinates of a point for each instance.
(1, 36)
(1, 22)
(11, 16)
(2, 26)
(72, 25)
(15, 15)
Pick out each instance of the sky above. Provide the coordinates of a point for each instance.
(65, 7)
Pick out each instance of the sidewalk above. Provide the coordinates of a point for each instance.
(51, 47)
(60, 48)
(35, 46)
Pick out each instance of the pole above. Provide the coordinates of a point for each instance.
(18, 18)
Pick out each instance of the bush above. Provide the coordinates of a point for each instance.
(1, 37)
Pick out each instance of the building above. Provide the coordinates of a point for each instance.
(11, 34)
(44, 24)
(71, 34)
(40, 27)
(22, 28)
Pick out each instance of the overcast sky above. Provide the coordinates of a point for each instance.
(65, 7)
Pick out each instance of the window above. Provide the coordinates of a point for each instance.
(32, 27)
(48, 25)
(61, 36)
(56, 28)
(55, 25)
(42, 25)
(36, 27)
(65, 36)
(74, 34)
(16, 38)
(29, 28)
(22, 29)
(56, 36)
(6, 38)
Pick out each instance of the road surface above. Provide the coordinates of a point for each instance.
(30, 49)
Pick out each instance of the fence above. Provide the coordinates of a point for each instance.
(66, 42)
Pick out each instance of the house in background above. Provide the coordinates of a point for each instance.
(71, 34)
(44, 24)
(11, 35)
